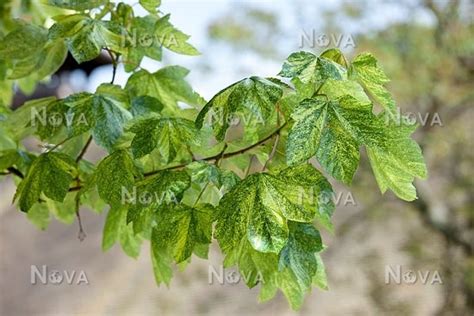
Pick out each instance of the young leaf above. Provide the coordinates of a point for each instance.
(255, 95)
(150, 5)
(50, 173)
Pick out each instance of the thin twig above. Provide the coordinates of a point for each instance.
(84, 149)
(16, 172)
(219, 156)
(114, 65)
(200, 194)
(58, 144)
(81, 235)
(223, 156)
(249, 166)
(219, 159)
(272, 153)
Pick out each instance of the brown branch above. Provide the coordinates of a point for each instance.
(222, 156)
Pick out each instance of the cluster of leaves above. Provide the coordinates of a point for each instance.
(180, 177)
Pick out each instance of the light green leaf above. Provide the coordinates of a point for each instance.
(167, 85)
(150, 5)
(39, 216)
(172, 38)
(50, 174)
(254, 95)
(396, 160)
(161, 260)
(365, 70)
(116, 228)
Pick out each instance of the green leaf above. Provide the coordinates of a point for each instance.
(143, 42)
(329, 129)
(255, 95)
(78, 5)
(51, 59)
(172, 38)
(105, 112)
(259, 207)
(116, 228)
(50, 174)
(167, 85)
(24, 41)
(161, 260)
(203, 172)
(115, 174)
(298, 254)
(8, 158)
(163, 188)
(182, 228)
(310, 69)
(150, 5)
(39, 216)
(168, 134)
(145, 105)
(86, 36)
(365, 70)
(396, 160)
(111, 228)
(335, 130)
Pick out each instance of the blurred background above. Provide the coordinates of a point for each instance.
(425, 47)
